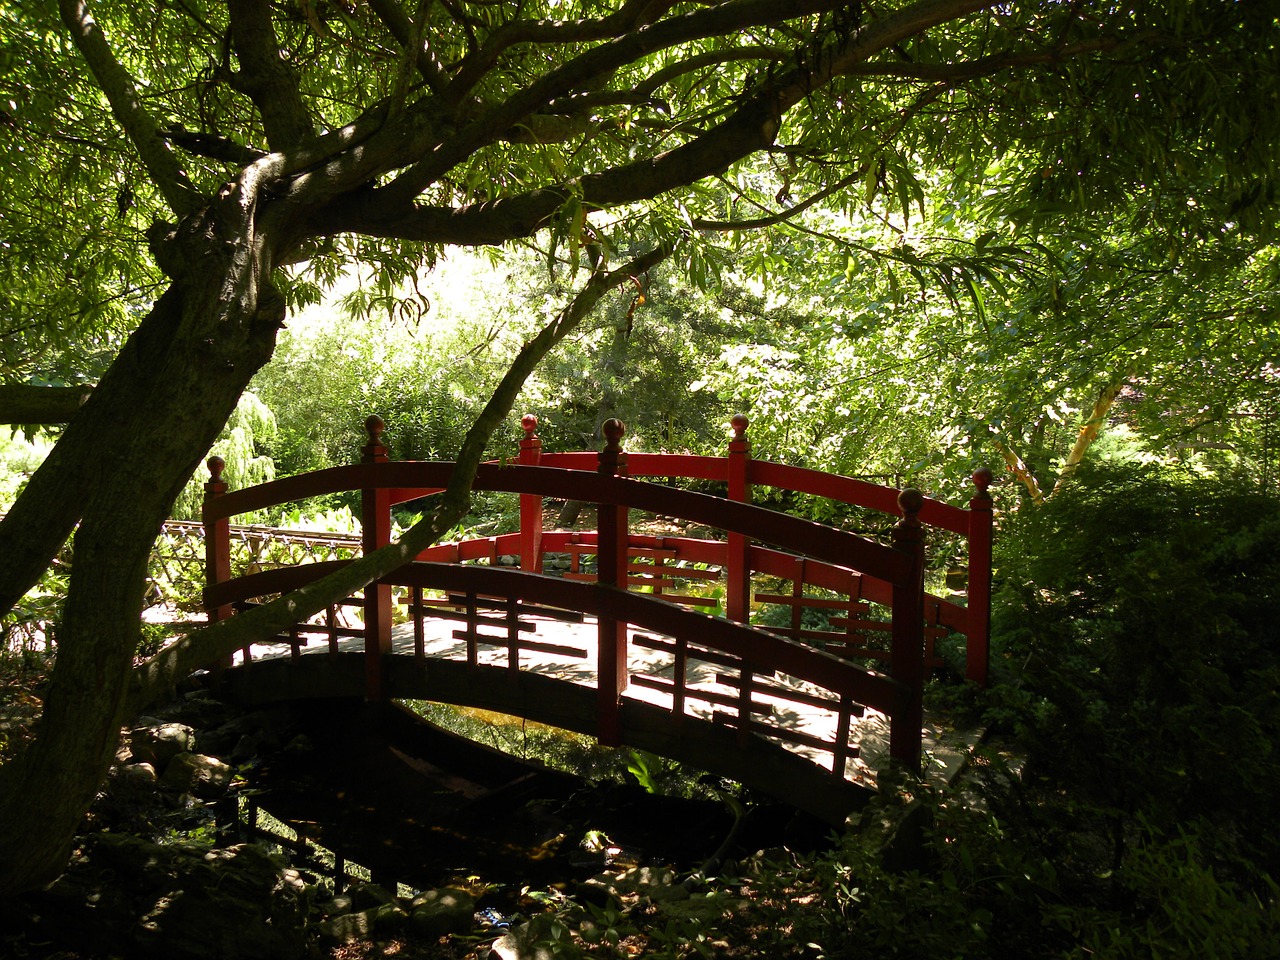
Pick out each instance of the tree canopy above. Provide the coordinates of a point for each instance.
(178, 178)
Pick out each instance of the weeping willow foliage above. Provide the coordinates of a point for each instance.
(241, 446)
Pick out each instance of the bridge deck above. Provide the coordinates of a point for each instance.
(576, 662)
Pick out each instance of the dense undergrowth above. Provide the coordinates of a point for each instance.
(1135, 677)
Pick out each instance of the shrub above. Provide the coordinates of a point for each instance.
(1137, 651)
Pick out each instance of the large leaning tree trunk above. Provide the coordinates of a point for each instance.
(123, 461)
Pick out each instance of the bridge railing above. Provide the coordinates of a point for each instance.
(829, 570)
(848, 627)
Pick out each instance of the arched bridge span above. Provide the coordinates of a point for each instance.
(616, 645)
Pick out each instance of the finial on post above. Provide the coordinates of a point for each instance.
(374, 451)
(613, 430)
(982, 478)
(739, 424)
(910, 500)
(215, 486)
(530, 446)
(907, 533)
(613, 461)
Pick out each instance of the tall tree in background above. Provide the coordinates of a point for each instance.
(183, 174)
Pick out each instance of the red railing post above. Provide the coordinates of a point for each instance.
(530, 504)
(907, 655)
(375, 521)
(737, 572)
(611, 574)
(978, 593)
(217, 539)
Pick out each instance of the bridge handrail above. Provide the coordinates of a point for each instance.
(400, 481)
(763, 649)
(410, 478)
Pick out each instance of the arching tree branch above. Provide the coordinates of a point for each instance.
(156, 678)
(591, 66)
(122, 93)
(21, 404)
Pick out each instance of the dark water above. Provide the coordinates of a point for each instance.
(423, 807)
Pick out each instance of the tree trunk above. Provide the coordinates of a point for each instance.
(117, 470)
(1020, 470)
(1088, 433)
(45, 791)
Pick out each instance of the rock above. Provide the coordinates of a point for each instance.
(347, 927)
(238, 902)
(242, 736)
(246, 748)
(366, 895)
(380, 921)
(157, 744)
(597, 892)
(133, 775)
(532, 941)
(898, 835)
(440, 912)
(337, 906)
(195, 773)
(198, 708)
(176, 902)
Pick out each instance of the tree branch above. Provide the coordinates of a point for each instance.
(925, 98)
(985, 66)
(474, 67)
(400, 27)
(784, 215)
(642, 92)
(389, 211)
(21, 403)
(1021, 471)
(590, 66)
(1088, 432)
(211, 146)
(265, 76)
(156, 678)
(126, 106)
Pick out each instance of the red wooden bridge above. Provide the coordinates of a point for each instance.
(642, 639)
